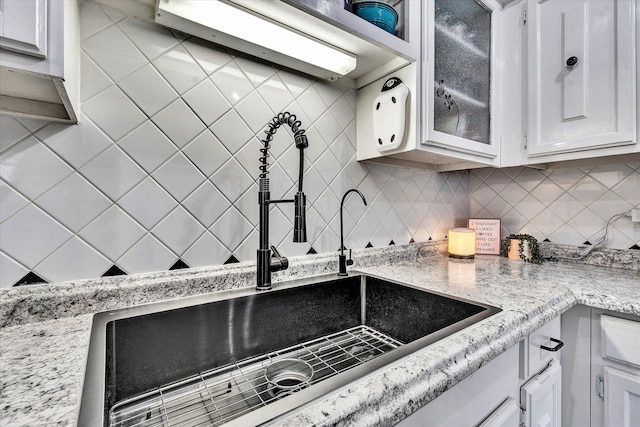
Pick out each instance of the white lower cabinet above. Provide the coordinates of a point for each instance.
(475, 399)
(615, 359)
(541, 377)
(540, 398)
(519, 388)
(507, 415)
(622, 398)
(602, 385)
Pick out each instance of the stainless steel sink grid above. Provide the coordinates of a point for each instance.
(220, 395)
(204, 360)
(285, 376)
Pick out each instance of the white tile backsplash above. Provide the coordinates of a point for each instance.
(113, 233)
(152, 40)
(180, 69)
(568, 206)
(12, 132)
(148, 90)
(148, 254)
(30, 151)
(206, 251)
(178, 230)
(148, 203)
(113, 112)
(10, 270)
(179, 123)
(178, 176)
(12, 201)
(74, 260)
(74, 202)
(113, 52)
(164, 162)
(207, 102)
(30, 235)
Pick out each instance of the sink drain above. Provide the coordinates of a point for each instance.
(287, 375)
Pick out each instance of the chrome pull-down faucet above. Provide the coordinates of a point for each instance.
(268, 258)
(342, 258)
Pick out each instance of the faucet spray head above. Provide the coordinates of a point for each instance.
(301, 140)
(300, 218)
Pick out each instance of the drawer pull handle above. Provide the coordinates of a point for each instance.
(558, 346)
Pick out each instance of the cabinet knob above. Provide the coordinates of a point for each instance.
(573, 60)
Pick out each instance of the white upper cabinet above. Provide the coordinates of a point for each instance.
(460, 80)
(23, 27)
(376, 51)
(451, 110)
(39, 59)
(580, 76)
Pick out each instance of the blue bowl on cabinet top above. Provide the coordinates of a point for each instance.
(378, 13)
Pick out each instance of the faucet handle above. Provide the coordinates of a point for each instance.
(274, 252)
(349, 261)
(278, 262)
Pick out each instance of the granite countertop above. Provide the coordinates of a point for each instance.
(42, 361)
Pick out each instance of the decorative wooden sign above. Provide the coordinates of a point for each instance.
(487, 235)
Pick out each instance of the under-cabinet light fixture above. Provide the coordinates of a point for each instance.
(462, 243)
(243, 30)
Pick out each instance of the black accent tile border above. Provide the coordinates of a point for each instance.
(114, 271)
(231, 260)
(392, 243)
(30, 278)
(311, 251)
(179, 265)
(369, 245)
(635, 247)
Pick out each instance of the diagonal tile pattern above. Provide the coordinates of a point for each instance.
(162, 169)
(567, 206)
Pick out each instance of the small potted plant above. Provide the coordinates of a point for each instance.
(523, 246)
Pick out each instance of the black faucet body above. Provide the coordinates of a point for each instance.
(268, 258)
(343, 262)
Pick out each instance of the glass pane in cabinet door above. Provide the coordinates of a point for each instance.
(462, 69)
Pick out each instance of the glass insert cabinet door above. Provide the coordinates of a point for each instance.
(459, 75)
(462, 69)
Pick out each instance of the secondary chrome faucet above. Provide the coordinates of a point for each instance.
(342, 258)
(269, 260)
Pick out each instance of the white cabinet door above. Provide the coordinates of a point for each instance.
(507, 415)
(620, 341)
(540, 398)
(474, 400)
(23, 26)
(581, 75)
(622, 398)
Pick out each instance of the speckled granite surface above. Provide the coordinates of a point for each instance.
(603, 257)
(42, 361)
(37, 303)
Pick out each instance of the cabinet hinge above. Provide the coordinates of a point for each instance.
(524, 17)
(600, 387)
(524, 141)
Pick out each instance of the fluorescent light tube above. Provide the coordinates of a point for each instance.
(259, 31)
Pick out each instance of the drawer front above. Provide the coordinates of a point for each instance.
(539, 357)
(620, 340)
